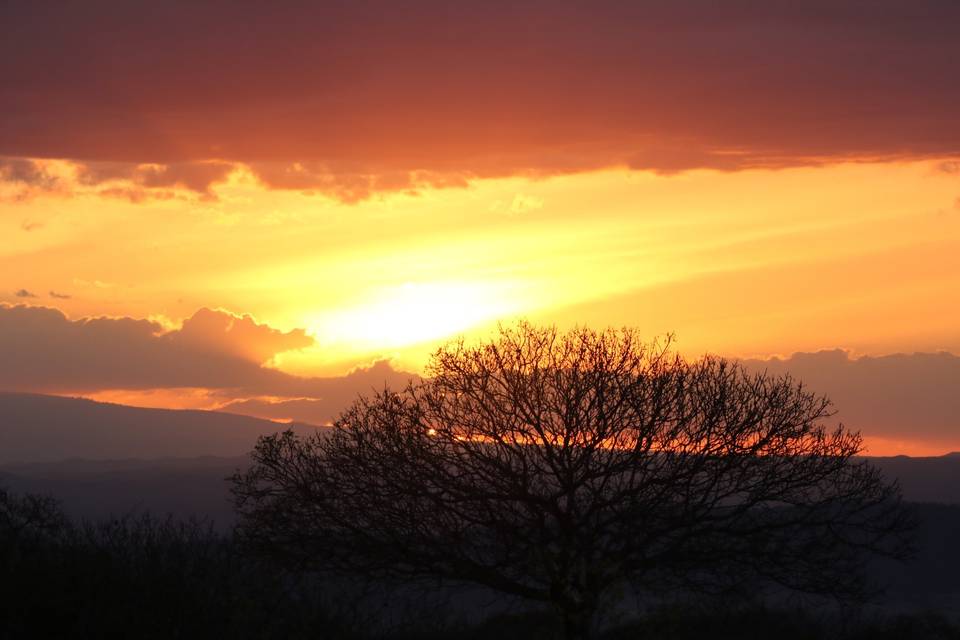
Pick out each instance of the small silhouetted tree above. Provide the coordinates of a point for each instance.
(562, 466)
(30, 519)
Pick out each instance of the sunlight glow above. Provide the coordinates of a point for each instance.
(416, 312)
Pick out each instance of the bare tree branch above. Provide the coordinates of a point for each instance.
(559, 466)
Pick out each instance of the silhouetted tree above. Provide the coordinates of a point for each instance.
(30, 519)
(561, 466)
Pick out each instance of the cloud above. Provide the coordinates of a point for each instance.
(136, 182)
(27, 172)
(60, 296)
(351, 184)
(25, 177)
(338, 394)
(352, 99)
(523, 204)
(236, 335)
(98, 284)
(909, 397)
(951, 167)
(519, 205)
(308, 410)
(139, 181)
(23, 293)
(42, 350)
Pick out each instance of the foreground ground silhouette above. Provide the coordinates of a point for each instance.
(152, 577)
(541, 485)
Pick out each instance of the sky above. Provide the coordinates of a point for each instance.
(271, 210)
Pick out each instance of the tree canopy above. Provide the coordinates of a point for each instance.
(562, 466)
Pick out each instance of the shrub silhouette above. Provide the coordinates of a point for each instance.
(141, 576)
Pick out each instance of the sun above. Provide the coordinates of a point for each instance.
(413, 313)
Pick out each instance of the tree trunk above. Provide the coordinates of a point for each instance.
(577, 623)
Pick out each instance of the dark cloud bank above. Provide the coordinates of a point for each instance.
(41, 350)
(907, 397)
(356, 97)
(902, 396)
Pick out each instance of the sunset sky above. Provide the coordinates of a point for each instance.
(203, 206)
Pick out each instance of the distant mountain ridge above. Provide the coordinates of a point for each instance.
(103, 459)
(41, 428)
(932, 479)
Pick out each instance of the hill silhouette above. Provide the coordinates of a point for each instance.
(104, 459)
(41, 428)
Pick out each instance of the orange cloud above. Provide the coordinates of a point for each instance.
(193, 176)
(355, 98)
(236, 335)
